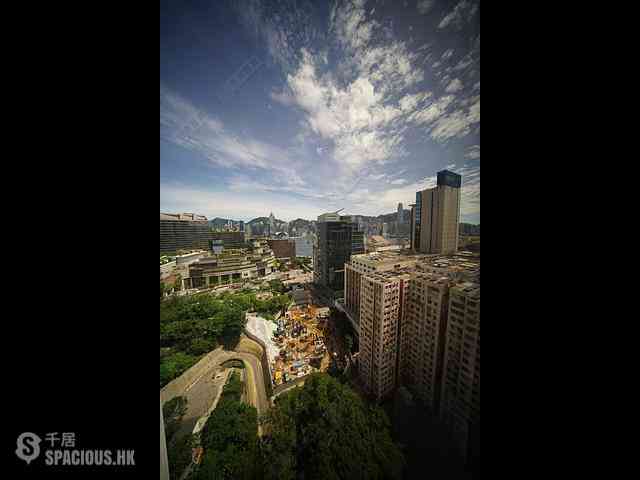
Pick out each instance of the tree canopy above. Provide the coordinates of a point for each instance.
(310, 428)
(191, 326)
(230, 438)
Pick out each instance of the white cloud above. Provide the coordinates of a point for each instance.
(425, 6)
(473, 152)
(454, 86)
(364, 126)
(456, 124)
(399, 181)
(434, 111)
(183, 124)
(463, 11)
(464, 63)
(447, 54)
(282, 97)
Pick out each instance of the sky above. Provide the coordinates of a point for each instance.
(305, 107)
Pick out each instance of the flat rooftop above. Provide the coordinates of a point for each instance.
(470, 289)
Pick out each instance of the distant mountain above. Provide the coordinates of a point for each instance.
(299, 223)
(259, 220)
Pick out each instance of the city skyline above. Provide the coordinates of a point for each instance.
(310, 109)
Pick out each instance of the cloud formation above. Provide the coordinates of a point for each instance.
(366, 104)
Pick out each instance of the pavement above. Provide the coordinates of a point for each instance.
(203, 391)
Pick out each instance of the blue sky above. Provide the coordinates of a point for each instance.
(306, 107)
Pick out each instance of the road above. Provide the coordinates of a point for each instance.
(202, 392)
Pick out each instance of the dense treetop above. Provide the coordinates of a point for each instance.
(325, 431)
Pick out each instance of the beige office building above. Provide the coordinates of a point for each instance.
(436, 216)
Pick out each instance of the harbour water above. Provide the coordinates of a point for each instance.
(304, 246)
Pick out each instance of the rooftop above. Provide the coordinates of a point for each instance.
(185, 217)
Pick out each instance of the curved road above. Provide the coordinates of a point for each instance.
(201, 393)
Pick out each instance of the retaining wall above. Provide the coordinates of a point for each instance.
(264, 361)
(177, 386)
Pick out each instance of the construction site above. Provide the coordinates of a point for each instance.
(300, 338)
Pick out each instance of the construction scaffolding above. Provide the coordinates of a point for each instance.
(300, 336)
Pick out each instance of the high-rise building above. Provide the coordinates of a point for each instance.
(364, 264)
(400, 218)
(183, 231)
(436, 216)
(423, 336)
(272, 224)
(381, 303)
(337, 239)
(417, 317)
(460, 406)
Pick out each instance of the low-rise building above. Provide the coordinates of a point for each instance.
(228, 239)
(231, 266)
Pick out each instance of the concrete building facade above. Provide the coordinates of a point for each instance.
(283, 248)
(338, 238)
(231, 267)
(460, 408)
(423, 336)
(381, 304)
(229, 239)
(418, 323)
(183, 231)
(436, 216)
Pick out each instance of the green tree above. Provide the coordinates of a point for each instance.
(200, 346)
(310, 427)
(230, 438)
(348, 340)
(179, 455)
(276, 286)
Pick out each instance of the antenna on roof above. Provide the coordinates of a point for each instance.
(338, 211)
